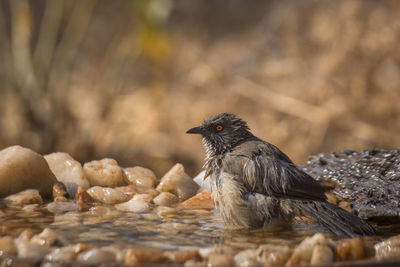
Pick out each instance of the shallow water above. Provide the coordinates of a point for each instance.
(182, 230)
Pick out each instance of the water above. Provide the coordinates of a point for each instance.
(181, 230)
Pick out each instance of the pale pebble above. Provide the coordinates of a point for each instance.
(176, 181)
(68, 171)
(28, 196)
(105, 172)
(28, 250)
(273, 255)
(22, 168)
(141, 178)
(322, 255)
(46, 238)
(62, 254)
(107, 195)
(144, 197)
(202, 200)
(134, 205)
(388, 248)
(165, 199)
(245, 258)
(96, 256)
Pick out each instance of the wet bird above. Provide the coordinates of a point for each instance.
(255, 184)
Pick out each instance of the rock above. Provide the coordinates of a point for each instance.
(68, 171)
(355, 249)
(26, 235)
(107, 195)
(205, 184)
(176, 181)
(144, 197)
(165, 199)
(61, 207)
(129, 190)
(96, 256)
(28, 196)
(22, 168)
(59, 190)
(104, 212)
(220, 260)
(46, 238)
(142, 178)
(388, 248)
(322, 255)
(369, 180)
(137, 257)
(303, 252)
(62, 254)
(246, 258)
(273, 255)
(163, 210)
(28, 250)
(182, 256)
(105, 172)
(7, 246)
(84, 200)
(134, 205)
(202, 200)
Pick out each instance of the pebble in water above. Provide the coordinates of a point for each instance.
(68, 171)
(273, 255)
(62, 254)
(22, 168)
(46, 238)
(388, 248)
(107, 195)
(355, 249)
(96, 256)
(182, 256)
(60, 207)
(134, 205)
(28, 196)
(142, 178)
(105, 172)
(178, 182)
(28, 250)
(135, 257)
(202, 200)
(246, 258)
(59, 190)
(7, 246)
(165, 199)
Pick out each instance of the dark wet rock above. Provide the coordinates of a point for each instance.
(369, 180)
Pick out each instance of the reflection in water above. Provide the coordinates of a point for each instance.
(184, 229)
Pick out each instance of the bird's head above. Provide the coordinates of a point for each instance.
(222, 132)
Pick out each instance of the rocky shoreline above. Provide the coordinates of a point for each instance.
(57, 184)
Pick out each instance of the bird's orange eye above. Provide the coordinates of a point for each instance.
(219, 128)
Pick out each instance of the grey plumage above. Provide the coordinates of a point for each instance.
(256, 184)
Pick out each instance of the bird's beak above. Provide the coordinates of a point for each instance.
(196, 130)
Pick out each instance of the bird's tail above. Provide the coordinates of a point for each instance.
(335, 219)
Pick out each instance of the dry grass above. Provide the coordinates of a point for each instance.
(127, 79)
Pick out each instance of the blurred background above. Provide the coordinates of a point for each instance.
(126, 79)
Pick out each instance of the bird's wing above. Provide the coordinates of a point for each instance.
(267, 170)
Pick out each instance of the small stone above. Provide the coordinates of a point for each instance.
(204, 183)
(152, 192)
(246, 258)
(273, 255)
(46, 238)
(355, 249)
(202, 200)
(26, 235)
(129, 190)
(388, 248)
(176, 181)
(59, 190)
(165, 199)
(22, 168)
(135, 257)
(96, 256)
(105, 172)
(140, 177)
(30, 207)
(68, 171)
(134, 205)
(220, 260)
(28, 196)
(107, 195)
(28, 250)
(104, 212)
(303, 252)
(61, 207)
(7, 246)
(163, 210)
(322, 255)
(144, 197)
(65, 254)
(182, 256)
(84, 200)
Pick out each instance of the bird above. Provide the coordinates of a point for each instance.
(255, 184)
